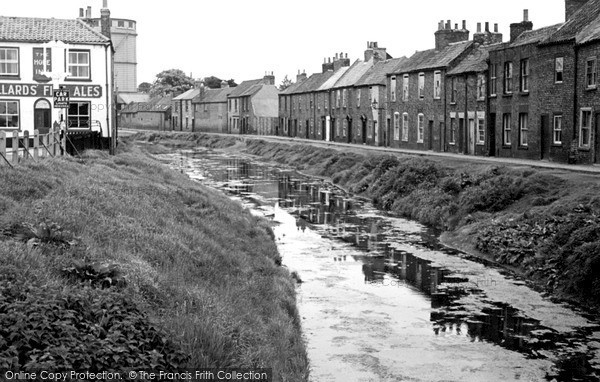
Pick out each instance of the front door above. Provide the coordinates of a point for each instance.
(364, 131)
(492, 134)
(544, 137)
(388, 133)
(42, 116)
(430, 138)
(376, 133)
(307, 130)
(471, 135)
(349, 130)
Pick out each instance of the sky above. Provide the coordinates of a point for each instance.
(242, 39)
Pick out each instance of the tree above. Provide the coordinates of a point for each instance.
(215, 82)
(286, 83)
(232, 83)
(144, 87)
(171, 81)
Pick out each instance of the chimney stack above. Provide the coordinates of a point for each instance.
(81, 12)
(300, 76)
(446, 36)
(486, 37)
(495, 27)
(478, 27)
(374, 52)
(224, 84)
(269, 79)
(516, 29)
(88, 12)
(464, 25)
(105, 19)
(487, 26)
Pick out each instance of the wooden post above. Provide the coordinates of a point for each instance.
(26, 144)
(3, 144)
(15, 147)
(36, 144)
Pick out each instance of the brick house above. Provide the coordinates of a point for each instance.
(568, 86)
(288, 115)
(325, 99)
(253, 107)
(210, 109)
(417, 102)
(467, 131)
(183, 110)
(371, 100)
(154, 114)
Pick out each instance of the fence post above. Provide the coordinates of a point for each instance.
(36, 144)
(26, 144)
(53, 140)
(15, 147)
(3, 144)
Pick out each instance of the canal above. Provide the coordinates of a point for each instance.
(382, 300)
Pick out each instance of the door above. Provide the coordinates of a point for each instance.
(307, 130)
(544, 137)
(461, 135)
(364, 131)
(349, 130)
(430, 137)
(492, 134)
(376, 132)
(597, 138)
(471, 142)
(42, 116)
(388, 133)
(326, 136)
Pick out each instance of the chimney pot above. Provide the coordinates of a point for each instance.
(495, 27)
(478, 27)
(448, 24)
(487, 26)
(329, 60)
(80, 12)
(346, 55)
(88, 12)
(464, 26)
(525, 14)
(456, 26)
(104, 3)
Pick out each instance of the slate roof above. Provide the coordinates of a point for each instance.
(246, 88)
(157, 104)
(589, 33)
(213, 96)
(41, 30)
(333, 79)
(310, 84)
(535, 36)
(190, 94)
(433, 59)
(578, 23)
(476, 60)
(377, 74)
(354, 73)
(292, 88)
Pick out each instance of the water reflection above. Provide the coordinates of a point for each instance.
(335, 214)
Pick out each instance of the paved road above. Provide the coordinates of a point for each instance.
(591, 169)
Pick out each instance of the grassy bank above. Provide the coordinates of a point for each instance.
(543, 224)
(117, 262)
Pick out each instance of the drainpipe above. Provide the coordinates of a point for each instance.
(113, 129)
(575, 87)
(467, 131)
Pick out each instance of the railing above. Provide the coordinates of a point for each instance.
(15, 147)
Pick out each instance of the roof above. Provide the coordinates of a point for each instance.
(292, 88)
(589, 33)
(40, 30)
(190, 94)
(432, 59)
(246, 88)
(128, 98)
(310, 84)
(354, 73)
(475, 62)
(579, 22)
(213, 95)
(333, 79)
(535, 36)
(377, 74)
(156, 104)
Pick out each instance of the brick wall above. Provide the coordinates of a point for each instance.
(588, 97)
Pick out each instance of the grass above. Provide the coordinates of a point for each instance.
(183, 262)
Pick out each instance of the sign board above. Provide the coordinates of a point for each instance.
(61, 99)
(11, 89)
(40, 66)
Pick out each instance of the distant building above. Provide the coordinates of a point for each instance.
(123, 34)
(153, 114)
(210, 109)
(183, 117)
(252, 107)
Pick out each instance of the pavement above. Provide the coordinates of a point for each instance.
(589, 169)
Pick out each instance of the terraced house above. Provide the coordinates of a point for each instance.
(252, 107)
(210, 108)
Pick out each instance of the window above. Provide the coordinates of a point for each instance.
(121, 24)
(480, 87)
(590, 73)
(78, 64)
(421, 85)
(79, 115)
(393, 88)
(420, 128)
(493, 79)
(9, 115)
(524, 75)
(299, 103)
(358, 98)
(557, 130)
(558, 70)
(187, 106)
(312, 105)
(345, 98)
(585, 125)
(453, 91)
(397, 126)
(480, 131)
(337, 126)
(452, 131)
(506, 130)
(337, 98)
(312, 126)
(508, 77)
(405, 87)
(9, 61)
(523, 128)
(405, 127)
(437, 84)
(345, 127)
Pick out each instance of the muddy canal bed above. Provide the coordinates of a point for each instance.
(382, 300)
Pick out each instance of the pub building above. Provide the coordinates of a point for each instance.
(39, 56)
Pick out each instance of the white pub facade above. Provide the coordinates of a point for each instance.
(39, 56)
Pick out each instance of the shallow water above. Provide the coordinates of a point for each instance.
(382, 300)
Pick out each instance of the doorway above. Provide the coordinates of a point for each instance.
(492, 135)
(471, 137)
(597, 138)
(349, 130)
(42, 116)
(364, 130)
(544, 137)
(376, 133)
(430, 137)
